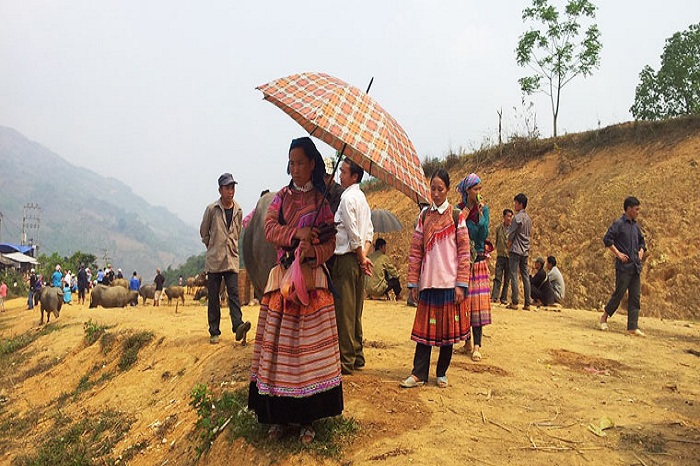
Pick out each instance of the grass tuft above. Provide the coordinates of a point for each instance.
(131, 348)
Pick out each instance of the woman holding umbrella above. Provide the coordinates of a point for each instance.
(477, 214)
(295, 373)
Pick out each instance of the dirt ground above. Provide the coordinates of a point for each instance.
(545, 377)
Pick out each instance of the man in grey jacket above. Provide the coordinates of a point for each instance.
(518, 234)
(220, 228)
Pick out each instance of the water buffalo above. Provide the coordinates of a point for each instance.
(201, 293)
(120, 282)
(51, 300)
(112, 296)
(147, 292)
(175, 292)
(258, 254)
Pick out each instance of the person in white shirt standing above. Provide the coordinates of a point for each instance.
(350, 263)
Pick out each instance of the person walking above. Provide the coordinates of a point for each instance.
(134, 285)
(478, 293)
(159, 280)
(518, 234)
(501, 278)
(624, 238)
(438, 277)
(220, 229)
(295, 372)
(3, 295)
(32, 289)
(57, 277)
(83, 284)
(350, 265)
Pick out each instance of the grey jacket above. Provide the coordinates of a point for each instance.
(518, 233)
(221, 243)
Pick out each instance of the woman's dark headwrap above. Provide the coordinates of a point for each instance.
(317, 177)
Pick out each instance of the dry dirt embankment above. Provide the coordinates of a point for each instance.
(576, 187)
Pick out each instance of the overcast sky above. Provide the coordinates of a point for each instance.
(161, 94)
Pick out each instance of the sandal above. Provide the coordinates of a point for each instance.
(411, 382)
(601, 326)
(476, 355)
(306, 435)
(442, 381)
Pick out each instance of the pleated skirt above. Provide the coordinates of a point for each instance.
(295, 373)
(439, 320)
(479, 295)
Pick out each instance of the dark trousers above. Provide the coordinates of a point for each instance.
(501, 279)
(519, 263)
(214, 304)
(421, 361)
(394, 285)
(631, 283)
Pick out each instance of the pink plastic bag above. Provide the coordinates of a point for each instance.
(293, 286)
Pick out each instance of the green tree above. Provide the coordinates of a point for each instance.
(554, 51)
(675, 89)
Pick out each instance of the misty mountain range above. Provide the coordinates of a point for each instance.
(83, 211)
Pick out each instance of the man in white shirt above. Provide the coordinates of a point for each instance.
(350, 263)
(556, 279)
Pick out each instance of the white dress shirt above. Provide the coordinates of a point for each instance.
(354, 221)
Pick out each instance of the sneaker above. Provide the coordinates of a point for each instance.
(637, 333)
(214, 339)
(242, 330)
(512, 306)
(601, 325)
(442, 381)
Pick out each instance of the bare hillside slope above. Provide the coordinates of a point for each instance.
(576, 186)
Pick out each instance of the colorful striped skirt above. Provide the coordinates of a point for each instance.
(439, 320)
(479, 295)
(295, 373)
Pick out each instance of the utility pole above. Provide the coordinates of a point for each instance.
(0, 227)
(31, 221)
(105, 257)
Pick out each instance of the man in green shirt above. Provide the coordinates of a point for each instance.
(384, 276)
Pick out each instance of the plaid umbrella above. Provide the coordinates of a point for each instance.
(350, 121)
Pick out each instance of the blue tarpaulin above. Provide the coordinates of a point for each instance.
(6, 248)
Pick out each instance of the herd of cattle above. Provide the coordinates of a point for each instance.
(118, 295)
(254, 245)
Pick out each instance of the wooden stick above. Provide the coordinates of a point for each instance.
(483, 418)
(500, 425)
(639, 459)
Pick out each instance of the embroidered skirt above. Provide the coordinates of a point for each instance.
(295, 373)
(439, 320)
(480, 294)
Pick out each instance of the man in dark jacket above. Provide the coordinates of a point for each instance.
(625, 240)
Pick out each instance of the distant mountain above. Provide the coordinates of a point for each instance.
(83, 211)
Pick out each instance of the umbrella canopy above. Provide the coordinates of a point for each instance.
(384, 221)
(350, 121)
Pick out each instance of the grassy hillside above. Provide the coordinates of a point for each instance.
(576, 185)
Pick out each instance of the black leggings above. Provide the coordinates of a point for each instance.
(477, 335)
